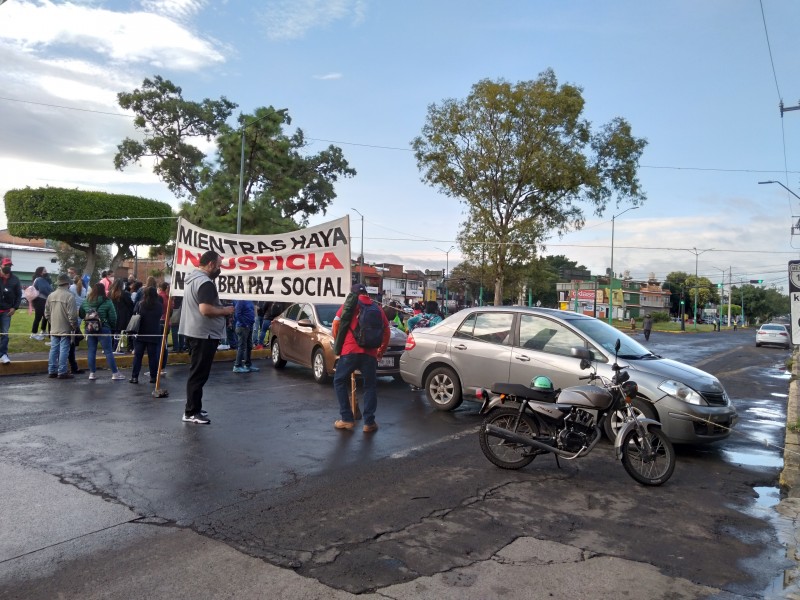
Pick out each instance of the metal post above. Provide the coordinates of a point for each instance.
(611, 280)
(446, 269)
(241, 187)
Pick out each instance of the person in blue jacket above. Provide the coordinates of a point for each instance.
(244, 316)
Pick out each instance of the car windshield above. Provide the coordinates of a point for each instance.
(605, 336)
(326, 314)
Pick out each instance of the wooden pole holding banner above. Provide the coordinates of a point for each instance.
(353, 398)
(158, 392)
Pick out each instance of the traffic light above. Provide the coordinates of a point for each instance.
(756, 281)
(719, 285)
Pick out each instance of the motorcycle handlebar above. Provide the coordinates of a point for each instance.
(586, 377)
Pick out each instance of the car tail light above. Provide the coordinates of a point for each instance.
(783, 333)
(410, 343)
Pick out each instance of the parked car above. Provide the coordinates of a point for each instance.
(774, 334)
(480, 346)
(302, 334)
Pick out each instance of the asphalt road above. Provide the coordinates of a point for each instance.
(271, 478)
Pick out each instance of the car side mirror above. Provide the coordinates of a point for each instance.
(305, 323)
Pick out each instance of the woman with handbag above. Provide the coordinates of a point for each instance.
(148, 337)
(123, 304)
(96, 303)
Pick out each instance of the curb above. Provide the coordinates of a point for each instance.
(790, 475)
(124, 361)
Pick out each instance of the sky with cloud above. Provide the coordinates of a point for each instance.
(700, 80)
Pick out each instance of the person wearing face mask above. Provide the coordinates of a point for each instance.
(42, 284)
(10, 297)
(203, 324)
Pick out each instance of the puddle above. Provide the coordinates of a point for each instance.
(767, 496)
(777, 395)
(754, 458)
(767, 413)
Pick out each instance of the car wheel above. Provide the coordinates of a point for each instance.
(318, 366)
(277, 361)
(641, 407)
(758, 345)
(443, 389)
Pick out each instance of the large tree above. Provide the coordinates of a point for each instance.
(88, 220)
(282, 183)
(525, 162)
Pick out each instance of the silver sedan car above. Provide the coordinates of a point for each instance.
(478, 347)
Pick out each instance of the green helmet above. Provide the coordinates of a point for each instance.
(542, 383)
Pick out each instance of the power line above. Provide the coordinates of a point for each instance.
(769, 48)
(399, 149)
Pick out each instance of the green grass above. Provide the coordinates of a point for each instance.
(19, 340)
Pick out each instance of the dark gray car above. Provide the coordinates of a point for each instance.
(478, 347)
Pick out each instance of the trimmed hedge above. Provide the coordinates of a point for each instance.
(80, 217)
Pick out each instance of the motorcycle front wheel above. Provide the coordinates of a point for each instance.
(648, 467)
(505, 454)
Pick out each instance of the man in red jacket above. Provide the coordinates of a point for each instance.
(356, 358)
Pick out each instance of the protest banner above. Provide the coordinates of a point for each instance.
(309, 265)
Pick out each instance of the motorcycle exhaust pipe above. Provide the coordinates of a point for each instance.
(525, 440)
(516, 438)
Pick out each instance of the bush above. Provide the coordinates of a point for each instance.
(660, 317)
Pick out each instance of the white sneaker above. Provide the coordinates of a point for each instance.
(4, 359)
(48, 343)
(117, 376)
(92, 376)
(223, 347)
(37, 337)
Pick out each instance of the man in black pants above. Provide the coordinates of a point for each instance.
(203, 325)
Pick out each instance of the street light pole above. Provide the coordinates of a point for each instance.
(783, 186)
(611, 279)
(241, 171)
(361, 269)
(696, 286)
(446, 269)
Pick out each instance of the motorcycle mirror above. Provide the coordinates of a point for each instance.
(585, 364)
(617, 345)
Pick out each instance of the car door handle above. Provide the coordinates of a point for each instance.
(523, 357)
(460, 347)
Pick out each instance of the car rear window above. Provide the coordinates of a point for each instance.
(773, 328)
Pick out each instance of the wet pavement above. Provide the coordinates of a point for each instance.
(270, 498)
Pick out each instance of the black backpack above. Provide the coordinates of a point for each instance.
(369, 326)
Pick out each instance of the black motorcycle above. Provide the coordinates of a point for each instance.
(523, 422)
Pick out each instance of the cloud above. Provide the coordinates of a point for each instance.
(181, 9)
(292, 19)
(63, 65)
(328, 77)
(125, 38)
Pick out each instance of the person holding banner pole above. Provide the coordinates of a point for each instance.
(203, 323)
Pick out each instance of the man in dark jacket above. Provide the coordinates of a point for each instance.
(10, 297)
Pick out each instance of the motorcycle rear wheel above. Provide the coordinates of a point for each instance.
(505, 454)
(648, 469)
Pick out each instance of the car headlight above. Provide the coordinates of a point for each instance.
(681, 391)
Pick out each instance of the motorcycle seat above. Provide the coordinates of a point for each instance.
(523, 391)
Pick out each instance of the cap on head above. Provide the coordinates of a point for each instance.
(6, 262)
(358, 288)
(63, 279)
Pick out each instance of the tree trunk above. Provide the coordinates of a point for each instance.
(91, 259)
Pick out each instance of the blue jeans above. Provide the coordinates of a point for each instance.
(368, 365)
(5, 325)
(59, 353)
(104, 339)
(245, 347)
(260, 330)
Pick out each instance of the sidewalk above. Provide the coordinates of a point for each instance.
(35, 363)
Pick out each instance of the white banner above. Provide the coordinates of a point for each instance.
(310, 265)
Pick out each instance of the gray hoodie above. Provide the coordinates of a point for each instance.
(193, 324)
